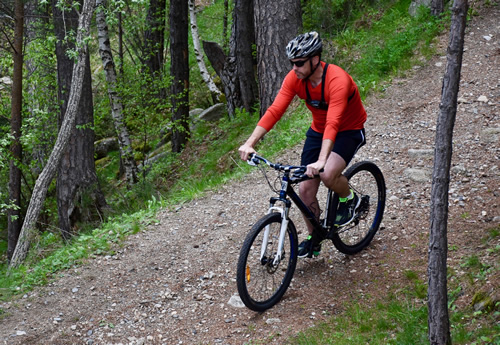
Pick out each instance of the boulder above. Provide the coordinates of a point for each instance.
(104, 146)
(418, 175)
(415, 4)
(214, 113)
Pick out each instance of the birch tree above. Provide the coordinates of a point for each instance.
(115, 101)
(438, 319)
(49, 171)
(214, 90)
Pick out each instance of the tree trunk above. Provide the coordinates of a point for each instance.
(14, 212)
(276, 23)
(438, 320)
(45, 178)
(179, 70)
(236, 70)
(154, 37)
(437, 7)
(243, 27)
(224, 25)
(125, 145)
(76, 173)
(225, 67)
(214, 90)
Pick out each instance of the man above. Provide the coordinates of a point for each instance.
(336, 132)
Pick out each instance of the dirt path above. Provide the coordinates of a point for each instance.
(172, 283)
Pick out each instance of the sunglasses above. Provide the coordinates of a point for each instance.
(299, 63)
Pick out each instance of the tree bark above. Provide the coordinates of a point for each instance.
(115, 101)
(154, 37)
(438, 319)
(236, 70)
(224, 25)
(179, 70)
(276, 23)
(225, 67)
(14, 212)
(437, 7)
(76, 173)
(49, 171)
(214, 90)
(243, 27)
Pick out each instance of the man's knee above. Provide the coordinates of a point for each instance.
(331, 176)
(304, 192)
(307, 191)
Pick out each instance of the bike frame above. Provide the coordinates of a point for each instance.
(285, 192)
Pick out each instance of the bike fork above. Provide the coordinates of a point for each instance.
(283, 230)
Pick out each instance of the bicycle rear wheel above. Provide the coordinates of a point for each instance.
(262, 280)
(367, 181)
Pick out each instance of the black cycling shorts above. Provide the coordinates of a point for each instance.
(347, 143)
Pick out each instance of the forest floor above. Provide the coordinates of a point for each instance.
(172, 282)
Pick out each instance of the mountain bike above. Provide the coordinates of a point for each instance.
(268, 256)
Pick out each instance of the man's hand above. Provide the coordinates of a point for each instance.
(245, 150)
(314, 169)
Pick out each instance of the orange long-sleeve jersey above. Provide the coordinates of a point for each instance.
(345, 109)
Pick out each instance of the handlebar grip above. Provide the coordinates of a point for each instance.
(252, 160)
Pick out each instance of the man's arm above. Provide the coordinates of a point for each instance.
(248, 147)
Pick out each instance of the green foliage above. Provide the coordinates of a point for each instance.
(146, 109)
(333, 16)
(387, 322)
(210, 28)
(419, 288)
(51, 255)
(213, 147)
(385, 44)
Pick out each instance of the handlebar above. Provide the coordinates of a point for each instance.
(297, 171)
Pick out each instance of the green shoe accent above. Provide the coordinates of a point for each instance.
(304, 248)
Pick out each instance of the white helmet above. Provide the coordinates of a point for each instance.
(304, 46)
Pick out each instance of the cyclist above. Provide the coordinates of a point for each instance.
(336, 132)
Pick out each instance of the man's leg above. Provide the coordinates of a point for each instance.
(332, 176)
(308, 190)
(334, 180)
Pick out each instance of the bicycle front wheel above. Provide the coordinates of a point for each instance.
(263, 275)
(367, 181)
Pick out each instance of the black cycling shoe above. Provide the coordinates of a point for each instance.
(347, 211)
(304, 247)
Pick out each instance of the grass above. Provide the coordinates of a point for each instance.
(50, 255)
(402, 320)
(387, 45)
(392, 322)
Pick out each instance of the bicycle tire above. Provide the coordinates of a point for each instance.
(366, 179)
(260, 283)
